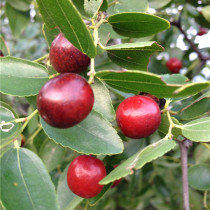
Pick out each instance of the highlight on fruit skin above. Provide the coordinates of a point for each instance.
(65, 100)
(84, 174)
(174, 65)
(65, 58)
(138, 116)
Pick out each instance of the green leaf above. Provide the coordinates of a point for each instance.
(18, 20)
(64, 15)
(197, 130)
(51, 154)
(158, 4)
(28, 77)
(9, 130)
(197, 108)
(103, 102)
(174, 78)
(206, 12)
(133, 55)
(131, 6)
(104, 5)
(25, 183)
(201, 154)
(22, 5)
(80, 7)
(164, 126)
(49, 34)
(94, 135)
(139, 159)
(136, 81)
(137, 24)
(66, 198)
(199, 177)
(92, 6)
(4, 47)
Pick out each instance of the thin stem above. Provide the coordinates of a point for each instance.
(205, 199)
(16, 143)
(92, 72)
(113, 3)
(41, 58)
(206, 145)
(31, 138)
(184, 160)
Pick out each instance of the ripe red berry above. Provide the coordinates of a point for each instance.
(116, 182)
(174, 65)
(1, 54)
(64, 57)
(65, 100)
(138, 116)
(84, 174)
(202, 31)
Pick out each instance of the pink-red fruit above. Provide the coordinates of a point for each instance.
(65, 100)
(84, 174)
(64, 57)
(174, 65)
(138, 116)
(202, 31)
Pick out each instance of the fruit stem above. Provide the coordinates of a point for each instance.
(205, 199)
(41, 58)
(86, 206)
(31, 138)
(92, 72)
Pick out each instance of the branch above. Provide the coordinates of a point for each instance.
(184, 145)
(200, 55)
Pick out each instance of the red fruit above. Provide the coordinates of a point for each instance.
(64, 57)
(202, 31)
(65, 100)
(116, 182)
(174, 65)
(138, 116)
(84, 174)
(1, 54)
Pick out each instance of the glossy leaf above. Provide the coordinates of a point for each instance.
(51, 154)
(199, 177)
(131, 6)
(197, 130)
(139, 159)
(206, 12)
(102, 103)
(92, 6)
(25, 183)
(136, 81)
(18, 20)
(94, 135)
(197, 108)
(22, 5)
(164, 126)
(64, 15)
(133, 55)
(8, 129)
(137, 24)
(66, 198)
(158, 4)
(28, 76)
(49, 34)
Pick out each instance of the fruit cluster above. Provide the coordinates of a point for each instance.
(67, 100)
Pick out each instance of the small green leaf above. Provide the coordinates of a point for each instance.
(94, 135)
(201, 154)
(103, 102)
(25, 183)
(66, 198)
(174, 78)
(64, 15)
(92, 6)
(9, 130)
(137, 25)
(199, 177)
(131, 6)
(135, 81)
(51, 154)
(22, 5)
(133, 55)
(158, 4)
(28, 76)
(197, 108)
(206, 12)
(49, 34)
(164, 126)
(104, 5)
(139, 159)
(4, 47)
(18, 20)
(197, 130)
